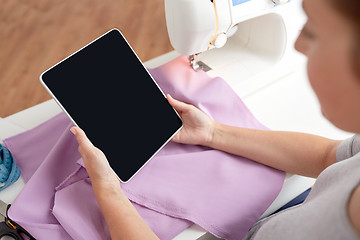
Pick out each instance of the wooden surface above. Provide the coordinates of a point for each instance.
(36, 34)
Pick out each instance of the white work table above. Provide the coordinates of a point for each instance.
(285, 101)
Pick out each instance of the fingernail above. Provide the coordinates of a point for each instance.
(73, 130)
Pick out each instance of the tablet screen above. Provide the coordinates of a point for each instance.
(106, 91)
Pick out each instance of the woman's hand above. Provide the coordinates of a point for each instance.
(197, 128)
(121, 217)
(101, 174)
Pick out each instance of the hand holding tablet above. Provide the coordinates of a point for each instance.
(106, 91)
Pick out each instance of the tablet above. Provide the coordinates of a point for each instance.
(105, 90)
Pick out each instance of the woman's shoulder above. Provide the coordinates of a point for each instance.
(354, 209)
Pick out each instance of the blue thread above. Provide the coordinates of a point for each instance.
(9, 171)
(238, 2)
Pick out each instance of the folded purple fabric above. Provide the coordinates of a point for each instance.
(181, 185)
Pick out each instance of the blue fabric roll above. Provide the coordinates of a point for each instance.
(9, 171)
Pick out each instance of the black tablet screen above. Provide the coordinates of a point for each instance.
(108, 93)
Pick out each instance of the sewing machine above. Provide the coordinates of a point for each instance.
(195, 27)
(234, 39)
(249, 43)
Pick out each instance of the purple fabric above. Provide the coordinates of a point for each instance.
(181, 185)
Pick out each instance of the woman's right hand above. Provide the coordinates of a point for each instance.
(101, 174)
(197, 128)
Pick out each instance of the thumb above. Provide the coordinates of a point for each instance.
(85, 146)
(178, 105)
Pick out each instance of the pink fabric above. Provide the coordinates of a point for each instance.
(181, 185)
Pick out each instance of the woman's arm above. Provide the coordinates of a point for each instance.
(121, 217)
(354, 209)
(292, 152)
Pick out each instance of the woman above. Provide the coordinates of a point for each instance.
(330, 40)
